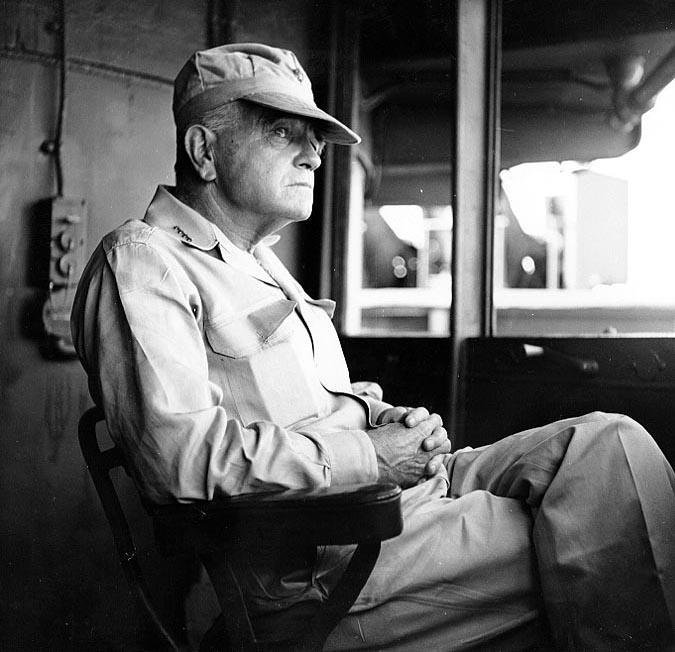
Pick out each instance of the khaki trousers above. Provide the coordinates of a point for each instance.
(565, 531)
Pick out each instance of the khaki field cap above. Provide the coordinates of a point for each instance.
(254, 72)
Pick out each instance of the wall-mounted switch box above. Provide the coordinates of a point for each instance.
(68, 238)
(67, 258)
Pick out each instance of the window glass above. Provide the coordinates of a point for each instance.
(406, 269)
(583, 223)
(587, 247)
(400, 231)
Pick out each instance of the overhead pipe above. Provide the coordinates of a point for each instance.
(642, 97)
(634, 95)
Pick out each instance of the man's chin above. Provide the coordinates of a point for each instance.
(293, 212)
(301, 215)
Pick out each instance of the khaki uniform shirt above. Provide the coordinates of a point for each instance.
(218, 375)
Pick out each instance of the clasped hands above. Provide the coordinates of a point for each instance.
(409, 444)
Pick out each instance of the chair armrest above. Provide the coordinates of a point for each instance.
(345, 514)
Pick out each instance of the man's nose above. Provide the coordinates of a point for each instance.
(308, 156)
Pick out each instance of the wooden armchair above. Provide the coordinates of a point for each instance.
(357, 514)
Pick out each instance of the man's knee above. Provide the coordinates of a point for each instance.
(594, 444)
(610, 441)
(619, 426)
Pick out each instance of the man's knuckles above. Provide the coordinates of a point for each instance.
(437, 437)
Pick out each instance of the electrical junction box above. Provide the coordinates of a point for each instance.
(68, 237)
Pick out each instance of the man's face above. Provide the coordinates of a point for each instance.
(265, 171)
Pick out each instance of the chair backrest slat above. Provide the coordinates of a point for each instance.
(100, 463)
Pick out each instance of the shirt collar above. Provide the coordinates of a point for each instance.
(187, 225)
(192, 229)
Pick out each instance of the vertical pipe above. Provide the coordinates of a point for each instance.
(222, 22)
(63, 67)
(474, 180)
(343, 103)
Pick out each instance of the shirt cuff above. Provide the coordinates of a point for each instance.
(371, 394)
(376, 408)
(352, 457)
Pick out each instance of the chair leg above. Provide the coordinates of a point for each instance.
(215, 639)
(139, 591)
(342, 597)
(241, 637)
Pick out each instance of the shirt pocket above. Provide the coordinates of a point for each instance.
(263, 362)
(252, 331)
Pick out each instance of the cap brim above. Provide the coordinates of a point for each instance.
(332, 129)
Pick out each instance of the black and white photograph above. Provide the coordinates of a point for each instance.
(337, 326)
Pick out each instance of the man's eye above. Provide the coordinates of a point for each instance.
(281, 132)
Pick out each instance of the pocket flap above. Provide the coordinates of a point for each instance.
(249, 332)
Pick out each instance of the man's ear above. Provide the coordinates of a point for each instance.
(198, 143)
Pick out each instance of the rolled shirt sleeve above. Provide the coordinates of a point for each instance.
(352, 456)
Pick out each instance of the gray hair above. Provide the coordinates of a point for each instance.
(228, 118)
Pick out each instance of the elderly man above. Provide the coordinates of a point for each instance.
(219, 375)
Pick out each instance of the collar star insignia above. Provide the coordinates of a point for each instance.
(182, 233)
